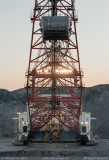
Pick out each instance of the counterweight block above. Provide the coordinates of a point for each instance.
(55, 27)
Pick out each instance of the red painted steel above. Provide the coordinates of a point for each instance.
(54, 80)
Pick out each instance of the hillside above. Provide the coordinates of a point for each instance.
(95, 100)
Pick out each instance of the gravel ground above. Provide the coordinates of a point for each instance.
(53, 151)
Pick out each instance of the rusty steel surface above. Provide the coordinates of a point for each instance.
(54, 70)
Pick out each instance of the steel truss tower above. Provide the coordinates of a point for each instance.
(54, 80)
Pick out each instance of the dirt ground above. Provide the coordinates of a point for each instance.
(53, 151)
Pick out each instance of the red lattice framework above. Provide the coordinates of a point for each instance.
(54, 83)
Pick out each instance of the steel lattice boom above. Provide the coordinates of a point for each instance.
(54, 83)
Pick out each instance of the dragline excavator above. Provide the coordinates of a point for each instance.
(54, 78)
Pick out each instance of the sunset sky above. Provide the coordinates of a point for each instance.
(15, 38)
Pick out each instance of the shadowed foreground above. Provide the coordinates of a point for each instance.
(52, 151)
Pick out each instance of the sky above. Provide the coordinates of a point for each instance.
(15, 38)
